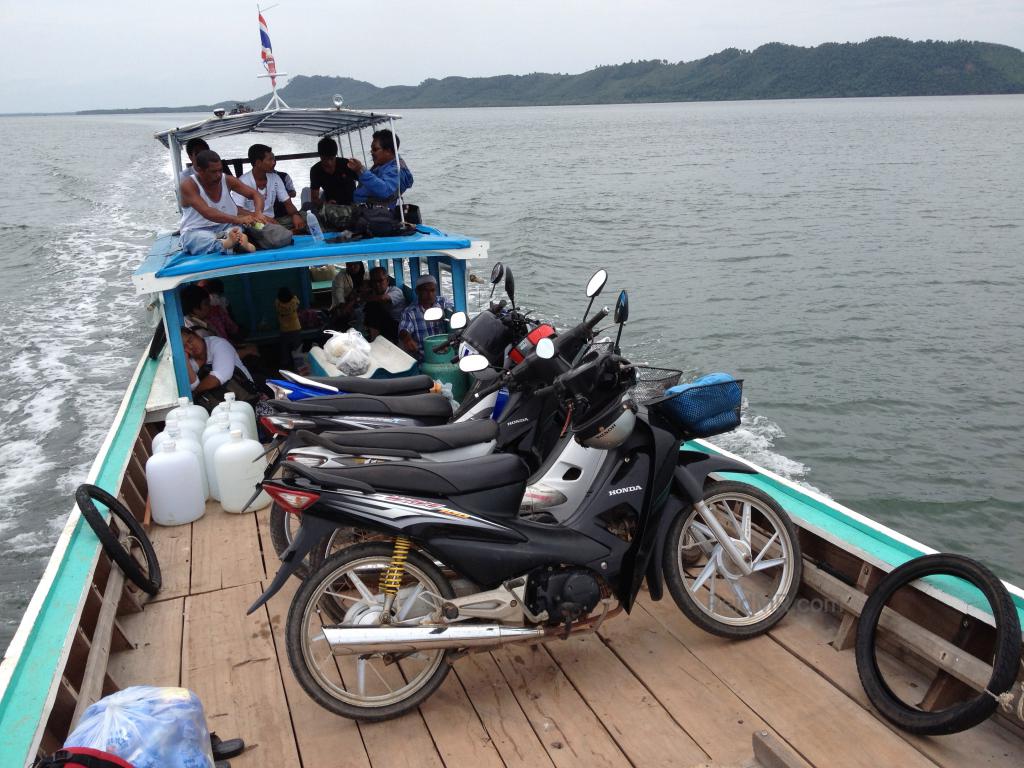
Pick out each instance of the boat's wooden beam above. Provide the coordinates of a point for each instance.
(943, 654)
(846, 635)
(94, 680)
(772, 752)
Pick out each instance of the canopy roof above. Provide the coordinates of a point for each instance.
(310, 122)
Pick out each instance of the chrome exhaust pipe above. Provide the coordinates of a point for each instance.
(384, 639)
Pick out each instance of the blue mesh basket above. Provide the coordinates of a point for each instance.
(703, 408)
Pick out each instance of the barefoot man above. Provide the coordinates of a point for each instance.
(210, 220)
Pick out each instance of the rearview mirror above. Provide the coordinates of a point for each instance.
(545, 349)
(596, 283)
(622, 308)
(433, 314)
(497, 273)
(510, 287)
(458, 321)
(473, 363)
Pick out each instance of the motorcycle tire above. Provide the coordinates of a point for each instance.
(676, 561)
(149, 580)
(961, 716)
(299, 615)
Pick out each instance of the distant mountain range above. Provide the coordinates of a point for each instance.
(882, 66)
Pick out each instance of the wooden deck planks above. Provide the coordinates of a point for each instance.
(231, 664)
(633, 716)
(496, 706)
(807, 634)
(173, 547)
(156, 659)
(568, 729)
(819, 721)
(717, 720)
(458, 734)
(225, 550)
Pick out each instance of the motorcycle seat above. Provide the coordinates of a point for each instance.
(445, 437)
(404, 385)
(428, 406)
(427, 478)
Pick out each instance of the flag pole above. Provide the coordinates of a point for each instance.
(267, 55)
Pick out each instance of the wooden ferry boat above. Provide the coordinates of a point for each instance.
(647, 690)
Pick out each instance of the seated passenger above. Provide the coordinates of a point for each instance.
(289, 185)
(413, 329)
(379, 184)
(384, 305)
(270, 185)
(210, 220)
(192, 148)
(334, 178)
(214, 369)
(220, 319)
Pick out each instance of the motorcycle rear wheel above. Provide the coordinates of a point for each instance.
(364, 687)
(707, 586)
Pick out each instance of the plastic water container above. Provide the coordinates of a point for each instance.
(186, 410)
(218, 437)
(314, 227)
(175, 485)
(240, 406)
(240, 415)
(213, 425)
(189, 426)
(239, 465)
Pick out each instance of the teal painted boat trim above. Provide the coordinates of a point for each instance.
(24, 702)
(841, 527)
(166, 259)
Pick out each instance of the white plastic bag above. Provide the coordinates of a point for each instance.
(349, 352)
(446, 390)
(148, 727)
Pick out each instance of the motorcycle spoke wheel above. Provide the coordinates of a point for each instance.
(344, 592)
(709, 587)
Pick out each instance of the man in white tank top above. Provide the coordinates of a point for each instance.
(210, 220)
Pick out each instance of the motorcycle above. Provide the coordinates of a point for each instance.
(502, 416)
(372, 632)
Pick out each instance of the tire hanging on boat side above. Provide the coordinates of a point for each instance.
(149, 582)
(1005, 663)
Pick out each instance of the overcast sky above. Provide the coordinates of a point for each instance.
(61, 55)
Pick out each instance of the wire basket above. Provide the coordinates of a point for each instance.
(704, 410)
(651, 383)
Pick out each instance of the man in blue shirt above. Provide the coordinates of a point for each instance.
(413, 329)
(379, 184)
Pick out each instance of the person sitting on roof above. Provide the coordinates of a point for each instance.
(335, 178)
(289, 185)
(214, 368)
(210, 220)
(379, 184)
(413, 329)
(265, 180)
(192, 148)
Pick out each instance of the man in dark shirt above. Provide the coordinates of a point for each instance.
(331, 176)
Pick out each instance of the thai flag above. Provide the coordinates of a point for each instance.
(267, 52)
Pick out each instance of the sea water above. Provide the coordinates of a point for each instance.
(858, 262)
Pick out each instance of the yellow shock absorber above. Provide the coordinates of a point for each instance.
(391, 581)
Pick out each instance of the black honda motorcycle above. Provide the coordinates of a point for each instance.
(373, 630)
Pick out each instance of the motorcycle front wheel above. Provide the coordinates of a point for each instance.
(344, 592)
(707, 585)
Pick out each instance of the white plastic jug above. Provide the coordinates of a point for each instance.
(216, 439)
(239, 465)
(186, 410)
(213, 425)
(241, 415)
(186, 425)
(175, 486)
(240, 406)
